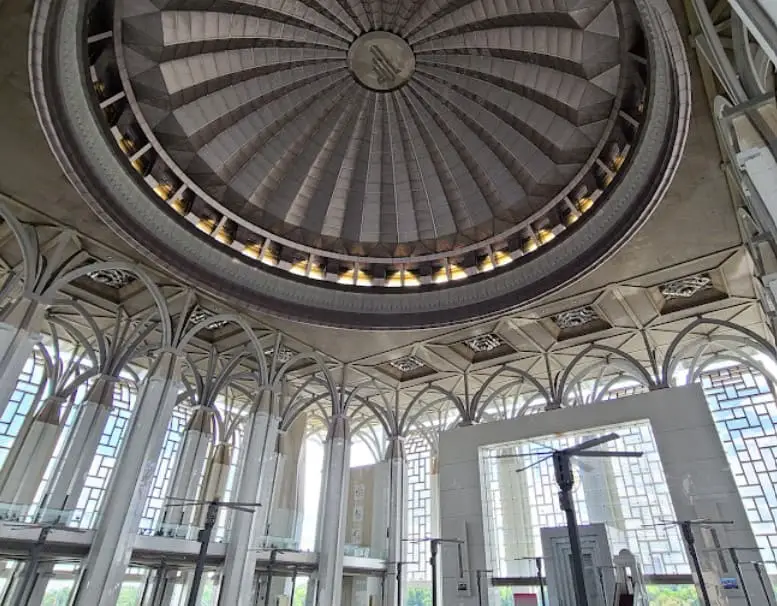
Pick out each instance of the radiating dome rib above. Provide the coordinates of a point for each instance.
(558, 138)
(212, 115)
(345, 206)
(407, 228)
(483, 165)
(575, 98)
(331, 18)
(569, 50)
(313, 170)
(443, 157)
(536, 172)
(267, 172)
(207, 73)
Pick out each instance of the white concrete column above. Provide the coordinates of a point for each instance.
(289, 492)
(397, 505)
(79, 452)
(109, 555)
(331, 522)
(516, 516)
(240, 563)
(189, 465)
(19, 331)
(216, 474)
(30, 454)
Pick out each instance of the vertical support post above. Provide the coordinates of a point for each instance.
(19, 331)
(199, 568)
(396, 521)
(111, 548)
(30, 454)
(687, 531)
(82, 444)
(434, 546)
(240, 562)
(566, 481)
(331, 522)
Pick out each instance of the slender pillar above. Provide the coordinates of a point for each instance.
(516, 516)
(189, 466)
(240, 561)
(19, 331)
(395, 456)
(30, 454)
(289, 491)
(109, 555)
(216, 474)
(434, 490)
(82, 444)
(331, 522)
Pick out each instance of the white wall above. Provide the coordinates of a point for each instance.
(699, 480)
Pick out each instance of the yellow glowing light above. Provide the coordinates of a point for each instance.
(223, 236)
(457, 273)
(500, 258)
(362, 279)
(269, 257)
(126, 145)
(585, 204)
(316, 272)
(206, 225)
(530, 245)
(163, 190)
(440, 276)
(411, 279)
(252, 250)
(394, 280)
(545, 236)
(300, 268)
(571, 218)
(179, 206)
(618, 161)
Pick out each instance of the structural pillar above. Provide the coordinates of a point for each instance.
(516, 515)
(240, 562)
(19, 332)
(216, 474)
(393, 586)
(109, 555)
(331, 522)
(189, 466)
(30, 454)
(82, 444)
(289, 490)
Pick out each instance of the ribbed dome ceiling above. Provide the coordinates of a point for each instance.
(367, 163)
(259, 105)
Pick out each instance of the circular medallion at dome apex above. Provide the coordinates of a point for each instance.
(285, 154)
(381, 61)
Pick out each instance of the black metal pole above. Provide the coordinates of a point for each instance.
(207, 529)
(433, 562)
(293, 586)
(399, 583)
(690, 541)
(273, 555)
(28, 580)
(759, 569)
(566, 481)
(738, 568)
(480, 590)
(541, 581)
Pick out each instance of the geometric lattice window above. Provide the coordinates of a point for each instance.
(152, 513)
(20, 404)
(96, 484)
(418, 457)
(745, 414)
(630, 495)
